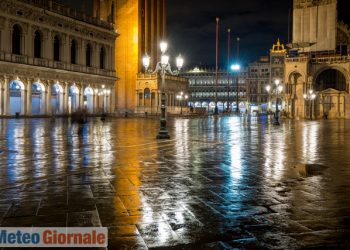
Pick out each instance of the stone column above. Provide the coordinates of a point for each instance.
(28, 99)
(29, 50)
(65, 49)
(65, 98)
(6, 96)
(1, 97)
(339, 112)
(112, 99)
(81, 97)
(48, 98)
(48, 45)
(95, 106)
(4, 36)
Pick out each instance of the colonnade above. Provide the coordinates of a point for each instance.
(29, 97)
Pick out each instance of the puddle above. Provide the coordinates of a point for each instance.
(309, 170)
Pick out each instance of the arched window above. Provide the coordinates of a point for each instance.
(16, 39)
(147, 93)
(37, 44)
(88, 55)
(73, 52)
(56, 48)
(331, 79)
(102, 58)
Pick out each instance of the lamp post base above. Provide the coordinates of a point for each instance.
(163, 135)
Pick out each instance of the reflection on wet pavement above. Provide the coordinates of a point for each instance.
(219, 183)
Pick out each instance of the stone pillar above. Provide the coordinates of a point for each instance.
(339, 112)
(65, 98)
(137, 99)
(48, 99)
(29, 50)
(48, 45)
(95, 109)
(321, 105)
(6, 37)
(6, 96)
(112, 99)
(112, 66)
(65, 53)
(81, 97)
(1, 97)
(28, 98)
(156, 99)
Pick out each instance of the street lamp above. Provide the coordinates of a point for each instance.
(236, 68)
(181, 97)
(163, 67)
(277, 90)
(310, 97)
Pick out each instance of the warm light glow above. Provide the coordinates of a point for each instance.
(179, 62)
(268, 88)
(165, 60)
(305, 96)
(103, 86)
(146, 61)
(311, 91)
(235, 67)
(277, 82)
(313, 96)
(280, 88)
(186, 97)
(163, 47)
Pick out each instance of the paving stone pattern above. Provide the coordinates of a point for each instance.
(219, 183)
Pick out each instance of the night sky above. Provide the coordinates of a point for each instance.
(191, 26)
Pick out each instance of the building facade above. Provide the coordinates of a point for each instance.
(263, 73)
(318, 61)
(148, 93)
(54, 60)
(203, 90)
(141, 25)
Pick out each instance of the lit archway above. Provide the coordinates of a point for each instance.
(73, 100)
(57, 98)
(89, 99)
(331, 79)
(38, 98)
(16, 97)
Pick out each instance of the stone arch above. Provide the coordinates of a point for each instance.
(89, 99)
(38, 98)
(73, 98)
(341, 79)
(57, 98)
(16, 101)
(294, 76)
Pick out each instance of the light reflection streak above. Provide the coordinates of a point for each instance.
(310, 139)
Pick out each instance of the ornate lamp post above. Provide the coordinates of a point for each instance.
(163, 67)
(277, 90)
(310, 97)
(181, 97)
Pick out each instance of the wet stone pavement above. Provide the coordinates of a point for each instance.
(224, 183)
